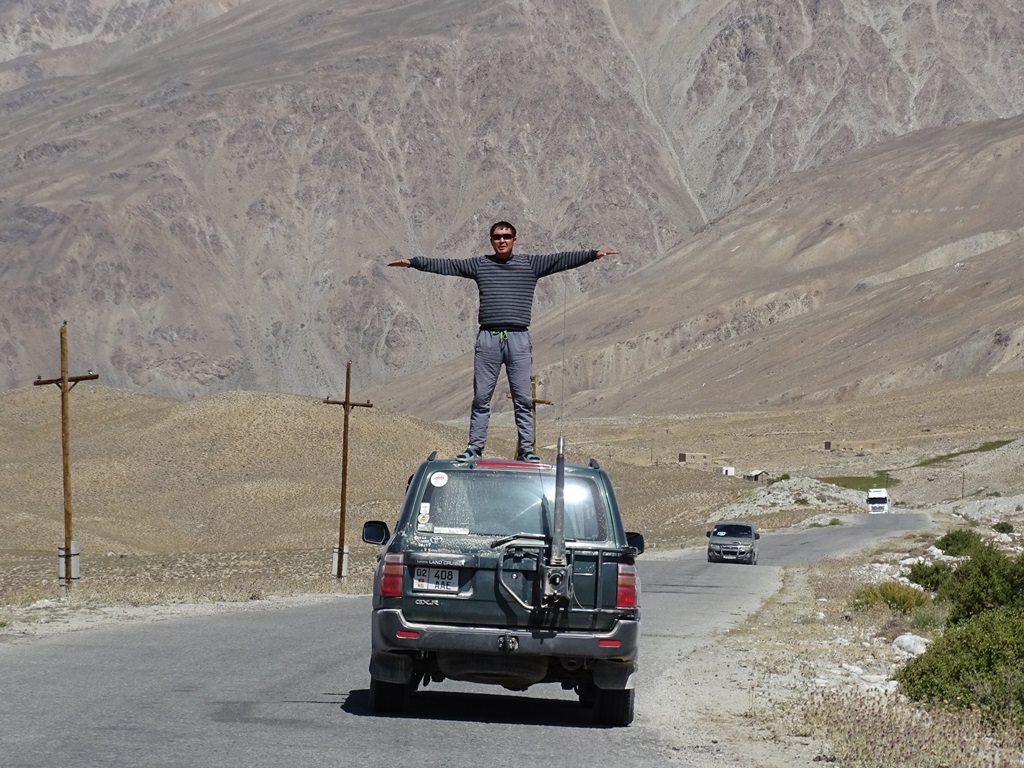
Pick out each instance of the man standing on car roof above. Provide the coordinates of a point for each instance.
(506, 282)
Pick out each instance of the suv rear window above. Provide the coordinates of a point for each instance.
(501, 503)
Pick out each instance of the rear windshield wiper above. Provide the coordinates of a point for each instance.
(513, 536)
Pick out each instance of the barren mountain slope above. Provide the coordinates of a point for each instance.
(898, 267)
(44, 39)
(210, 204)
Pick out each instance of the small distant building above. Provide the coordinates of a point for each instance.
(727, 471)
(694, 458)
(756, 475)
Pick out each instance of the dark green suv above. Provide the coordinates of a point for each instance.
(507, 573)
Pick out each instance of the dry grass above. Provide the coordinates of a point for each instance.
(868, 730)
(237, 493)
(823, 668)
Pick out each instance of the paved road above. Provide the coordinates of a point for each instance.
(288, 687)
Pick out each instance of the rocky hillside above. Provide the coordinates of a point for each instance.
(207, 191)
(45, 39)
(897, 267)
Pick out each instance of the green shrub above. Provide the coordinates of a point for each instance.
(929, 619)
(988, 580)
(930, 575)
(974, 664)
(897, 596)
(1003, 527)
(959, 542)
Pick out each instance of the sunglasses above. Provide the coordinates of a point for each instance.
(503, 237)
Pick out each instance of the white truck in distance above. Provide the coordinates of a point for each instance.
(878, 501)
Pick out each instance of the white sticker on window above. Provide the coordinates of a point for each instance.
(439, 479)
(423, 519)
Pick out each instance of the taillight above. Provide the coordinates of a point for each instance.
(627, 594)
(391, 579)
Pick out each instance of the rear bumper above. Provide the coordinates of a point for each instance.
(613, 653)
(391, 632)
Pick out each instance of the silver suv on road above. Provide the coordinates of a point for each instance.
(733, 541)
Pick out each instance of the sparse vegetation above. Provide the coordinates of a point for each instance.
(867, 730)
(897, 596)
(991, 445)
(863, 728)
(186, 578)
(959, 542)
(881, 479)
(931, 576)
(1003, 527)
(974, 664)
(988, 580)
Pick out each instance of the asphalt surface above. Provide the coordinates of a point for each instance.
(289, 687)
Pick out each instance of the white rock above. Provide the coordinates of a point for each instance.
(912, 644)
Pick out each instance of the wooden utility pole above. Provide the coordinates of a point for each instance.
(341, 561)
(534, 403)
(66, 384)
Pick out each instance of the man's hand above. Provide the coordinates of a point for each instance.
(602, 254)
(399, 263)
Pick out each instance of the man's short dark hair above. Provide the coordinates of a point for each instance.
(502, 225)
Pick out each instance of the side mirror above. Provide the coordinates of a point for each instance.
(636, 541)
(376, 532)
(708, 534)
(757, 535)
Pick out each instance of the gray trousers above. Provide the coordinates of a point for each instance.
(514, 350)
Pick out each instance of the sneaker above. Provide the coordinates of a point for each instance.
(528, 456)
(469, 453)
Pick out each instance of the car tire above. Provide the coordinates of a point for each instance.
(614, 708)
(388, 698)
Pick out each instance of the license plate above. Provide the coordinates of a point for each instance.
(435, 579)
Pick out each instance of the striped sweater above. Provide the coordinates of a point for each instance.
(506, 287)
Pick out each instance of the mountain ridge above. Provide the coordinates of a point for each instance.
(212, 208)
